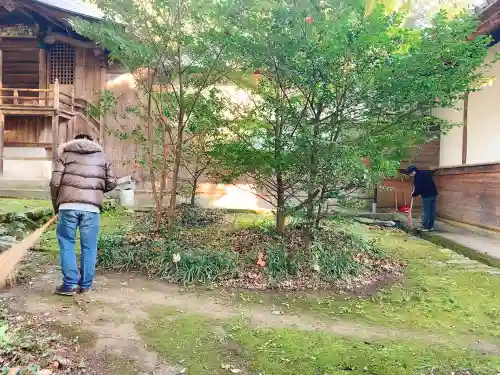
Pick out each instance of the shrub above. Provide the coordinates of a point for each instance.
(349, 239)
(197, 217)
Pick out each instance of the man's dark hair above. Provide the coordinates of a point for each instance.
(84, 136)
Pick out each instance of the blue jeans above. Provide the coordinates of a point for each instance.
(428, 212)
(88, 222)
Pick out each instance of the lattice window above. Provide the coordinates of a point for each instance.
(62, 59)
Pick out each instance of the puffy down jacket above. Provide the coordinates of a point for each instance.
(81, 174)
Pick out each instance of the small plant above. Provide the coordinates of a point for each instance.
(266, 227)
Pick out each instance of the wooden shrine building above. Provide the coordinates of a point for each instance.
(48, 76)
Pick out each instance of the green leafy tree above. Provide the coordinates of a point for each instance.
(175, 53)
(340, 84)
(205, 128)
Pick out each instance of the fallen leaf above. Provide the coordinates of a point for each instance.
(236, 371)
(260, 260)
(63, 362)
(13, 371)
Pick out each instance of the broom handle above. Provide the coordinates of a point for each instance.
(43, 228)
(48, 223)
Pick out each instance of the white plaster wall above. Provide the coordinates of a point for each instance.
(450, 150)
(26, 169)
(483, 124)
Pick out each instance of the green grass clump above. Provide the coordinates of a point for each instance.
(280, 265)
(164, 260)
(334, 264)
(204, 266)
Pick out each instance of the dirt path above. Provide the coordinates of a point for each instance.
(118, 302)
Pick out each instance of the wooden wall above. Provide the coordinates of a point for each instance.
(124, 155)
(90, 76)
(20, 62)
(27, 131)
(424, 156)
(400, 188)
(470, 194)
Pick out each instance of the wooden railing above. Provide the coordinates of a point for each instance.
(43, 99)
(33, 98)
(32, 101)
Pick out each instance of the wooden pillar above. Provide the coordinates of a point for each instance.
(43, 79)
(1, 76)
(57, 91)
(55, 122)
(104, 76)
(55, 137)
(72, 99)
(464, 129)
(2, 116)
(2, 127)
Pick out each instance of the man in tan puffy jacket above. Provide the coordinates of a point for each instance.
(80, 178)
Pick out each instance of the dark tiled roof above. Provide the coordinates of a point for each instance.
(76, 7)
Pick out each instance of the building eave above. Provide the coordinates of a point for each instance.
(74, 8)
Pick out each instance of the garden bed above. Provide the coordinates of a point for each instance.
(241, 250)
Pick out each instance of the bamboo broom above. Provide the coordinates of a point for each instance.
(9, 259)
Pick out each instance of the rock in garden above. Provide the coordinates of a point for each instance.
(6, 242)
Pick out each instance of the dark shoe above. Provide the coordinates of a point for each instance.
(83, 290)
(65, 291)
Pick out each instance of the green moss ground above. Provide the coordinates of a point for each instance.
(22, 205)
(205, 346)
(434, 295)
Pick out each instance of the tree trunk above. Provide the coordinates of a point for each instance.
(175, 183)
(280, 189)
(179, 139)
(158, 208)
(193, 191)
(313, 173)
(150, 152)
(320, 207)
(280, 204)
